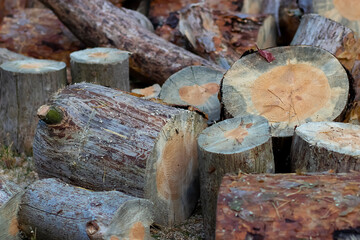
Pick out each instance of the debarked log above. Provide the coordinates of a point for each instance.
(109, 140)
(323, 146)
(52, 209)
(289, 206)
(236, 144)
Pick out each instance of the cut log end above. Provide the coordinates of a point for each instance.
(148, 92)
(197, 95)
(349, 9)
(99, 55)
(34, 66)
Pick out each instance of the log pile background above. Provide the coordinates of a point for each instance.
(86, 143)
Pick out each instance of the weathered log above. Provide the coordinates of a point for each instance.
(196, 86)
(99, 23)
(7, 55)
(112, 140)
(10, 194)
(339, 40)
(38, 33)
(302, 84)
(105, 66)
(346, 12)
(25, 86)
(289, 206)
(148, 92)
(237, 144)
(52, 209)
(323, 146)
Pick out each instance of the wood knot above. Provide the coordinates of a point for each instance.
(92, 227)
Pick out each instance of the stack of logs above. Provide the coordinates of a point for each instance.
(112, 163)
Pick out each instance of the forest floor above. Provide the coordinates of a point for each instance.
(20, 170)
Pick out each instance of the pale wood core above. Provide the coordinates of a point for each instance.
(291, 93)
(238, 133)
(197, 95)
(173, 171)
(341, 137)
(349, 9)
(137, 231)
(147, 91)
(98, 55)
(32, 65)
(13, 228)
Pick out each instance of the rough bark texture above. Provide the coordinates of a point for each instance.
(25, 86)
(99, 23)
(51, 209)
(318, 31)
(7, 190)
(323, 146)
(105, 66)
(38, 33)
(7, 55)
(237, 144)
(111, 140)
(9, 229)
(289, 206)
(196, 86)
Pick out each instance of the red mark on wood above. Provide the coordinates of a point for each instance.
(265, 54)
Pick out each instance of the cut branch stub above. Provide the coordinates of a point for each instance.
(25, 86)
(52, 209)
(346, 12)
(112, 140)
(196, 86)
(236, 144)
(105, 66)
(323, 146)
(50, 114)
(303, 84)
(289, 206)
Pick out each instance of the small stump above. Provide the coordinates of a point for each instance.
(25, 86)
(323, 146)
(104, 66)
(197, 86)
(241, 143)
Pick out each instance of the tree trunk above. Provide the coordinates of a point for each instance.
(237, 144)
(7, 55)
(25, 86)
(51, 209)
(99, 23)
(289, 206)
(109, 140)
(302, 84)
(105, 66)
(326, 146)
(196, 86)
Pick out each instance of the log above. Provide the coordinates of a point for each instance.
(302, 84)
(289, 206)
(345, 12)
(25, 86)
(196, 86)
(7, 55)
(51, 209)
(338, 39)
(105, 66)
(99, 23)
(110, 140)
(237, 144)
(148, 92)
(38, 33)
(323, 146)
(10, 195)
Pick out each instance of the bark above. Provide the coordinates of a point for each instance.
(196, 86)
(105, 66)
(112, 140)
(326, 146)
(289, 206)
(237, 144)
(99, 23)
(25, 86)
(38, 33)
(7, 55)
(51, 209)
